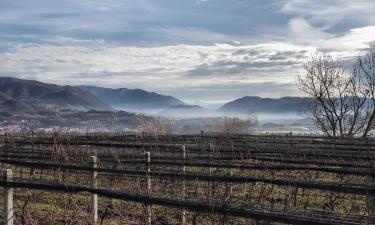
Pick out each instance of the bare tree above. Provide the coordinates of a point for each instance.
(338, 105)
(364, 71)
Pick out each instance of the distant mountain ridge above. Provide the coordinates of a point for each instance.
(133, 99)
(19, 96)
(35, 93)
(254, 104)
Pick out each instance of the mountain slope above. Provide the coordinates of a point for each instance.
(38, 93)
(251, 104)
(3, 98)
(133, 99)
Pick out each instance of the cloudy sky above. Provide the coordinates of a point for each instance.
(202, 51)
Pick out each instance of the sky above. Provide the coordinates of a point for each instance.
(202, 51)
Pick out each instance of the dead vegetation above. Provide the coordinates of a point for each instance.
(297, 178)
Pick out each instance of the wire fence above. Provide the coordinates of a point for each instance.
(190, 179)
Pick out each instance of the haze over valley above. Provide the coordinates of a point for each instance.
(43, 105)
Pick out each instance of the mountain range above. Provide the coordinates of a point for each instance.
(254, 104)
(19, 97)
(17, 93)
(133, 99)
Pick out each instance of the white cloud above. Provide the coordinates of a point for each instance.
(314, 23)
(187, 34)
(301, 29)
(198, 2)
(331, 12)
(344, 45)
(155, 68)
(355, 39)
(171, 68)
(94, 42)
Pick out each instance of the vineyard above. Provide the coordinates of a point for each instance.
(187, 179)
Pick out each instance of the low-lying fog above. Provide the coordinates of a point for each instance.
(194, 118)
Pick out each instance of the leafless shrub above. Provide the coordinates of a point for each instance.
(235, 125)
(155, 126)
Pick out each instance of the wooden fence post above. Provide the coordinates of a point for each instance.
(231, 170)
(32, 171)
(371, 196)
(94, 197)
(7, 175)
(6, 137)
(210, 174)
(210, 183)
(183, 212)
(148, 206)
